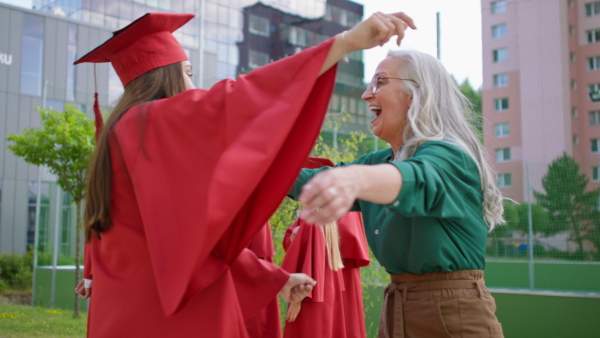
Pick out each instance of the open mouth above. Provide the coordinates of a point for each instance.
(376, 110)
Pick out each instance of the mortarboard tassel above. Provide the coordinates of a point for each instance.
(98, 122)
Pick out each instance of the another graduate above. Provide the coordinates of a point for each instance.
(335, 306)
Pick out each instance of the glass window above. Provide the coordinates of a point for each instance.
(32, 191)
(595, 174)
(594, 118)
(502, 155)
(257, 59)
(65, 227)
(499, 31)
(258, 25)
(592, 8)
(593, 63)
(223, 15)
(55, 104)
(501, 80)
(502, 130)
(572, 30)
(498, 6)
(593, 36)
(71, 54)
(504, 180)
(574, 84)
(595, 143)
(32, 49)
(222, 52)
(576, 140)
(573, 57)
(211, 12)
(500, 55)
(115, 88)
(501, 104)
(574, 112)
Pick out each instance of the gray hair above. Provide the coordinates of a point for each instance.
(440, 112)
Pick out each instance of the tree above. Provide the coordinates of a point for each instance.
(567, 203)
(474, 97)
(64, 144)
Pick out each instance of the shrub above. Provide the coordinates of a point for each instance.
(15, 272)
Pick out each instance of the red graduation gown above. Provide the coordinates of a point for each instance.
(194, 177)
(336, 307)
(322, 312)
(266, 323)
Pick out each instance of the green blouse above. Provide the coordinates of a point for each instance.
(436, 223)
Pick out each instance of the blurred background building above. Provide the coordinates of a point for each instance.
(541, 68)
(40, 40)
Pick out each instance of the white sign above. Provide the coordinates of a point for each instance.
(5, 59)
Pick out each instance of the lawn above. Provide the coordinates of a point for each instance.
(25, 321)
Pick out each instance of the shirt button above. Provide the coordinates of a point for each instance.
(376, 231)
(396, 203)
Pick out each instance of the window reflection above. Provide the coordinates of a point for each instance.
(31, 55)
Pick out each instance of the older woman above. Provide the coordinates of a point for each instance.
(428, 202)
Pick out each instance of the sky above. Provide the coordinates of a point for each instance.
(460, 34)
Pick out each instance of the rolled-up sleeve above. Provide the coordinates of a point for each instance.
(433, 182)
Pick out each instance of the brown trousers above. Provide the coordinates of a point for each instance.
(439, 304)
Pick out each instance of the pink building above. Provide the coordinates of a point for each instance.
(541, 59)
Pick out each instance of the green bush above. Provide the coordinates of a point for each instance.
(15, 272)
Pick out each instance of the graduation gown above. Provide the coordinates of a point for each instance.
(335, 308)
(322, 311)
(266, 323)
(194, 177)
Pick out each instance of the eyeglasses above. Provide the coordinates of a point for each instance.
(376, 79)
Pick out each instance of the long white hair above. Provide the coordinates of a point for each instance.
(440, 112)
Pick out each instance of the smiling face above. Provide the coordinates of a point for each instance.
(389, 103)
(186, 68)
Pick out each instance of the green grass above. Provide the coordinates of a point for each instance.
(25, 321)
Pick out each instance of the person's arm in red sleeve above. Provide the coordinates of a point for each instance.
(84, 287)
(257, 282)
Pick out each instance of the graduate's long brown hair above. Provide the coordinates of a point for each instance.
(156, 84)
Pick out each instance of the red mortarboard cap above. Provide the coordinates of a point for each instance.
(143, 45)
(317, 162)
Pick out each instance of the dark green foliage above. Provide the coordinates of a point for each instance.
(15, 272)
(569, 206)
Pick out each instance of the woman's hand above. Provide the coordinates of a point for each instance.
(330, 194)
(293, 311)
(297, 287)
(377, 30)
(82, 291)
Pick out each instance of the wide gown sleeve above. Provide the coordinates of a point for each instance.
(209, 167)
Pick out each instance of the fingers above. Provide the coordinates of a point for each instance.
(402, 16)
(393, 24)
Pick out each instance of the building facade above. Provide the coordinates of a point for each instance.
(38, 46)
(541, 61)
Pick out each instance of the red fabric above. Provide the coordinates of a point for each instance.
(322, 312)
(266, 323)
(339, 302)
(354, 248)
(262, 243)
(211, 171)
(143, 45)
